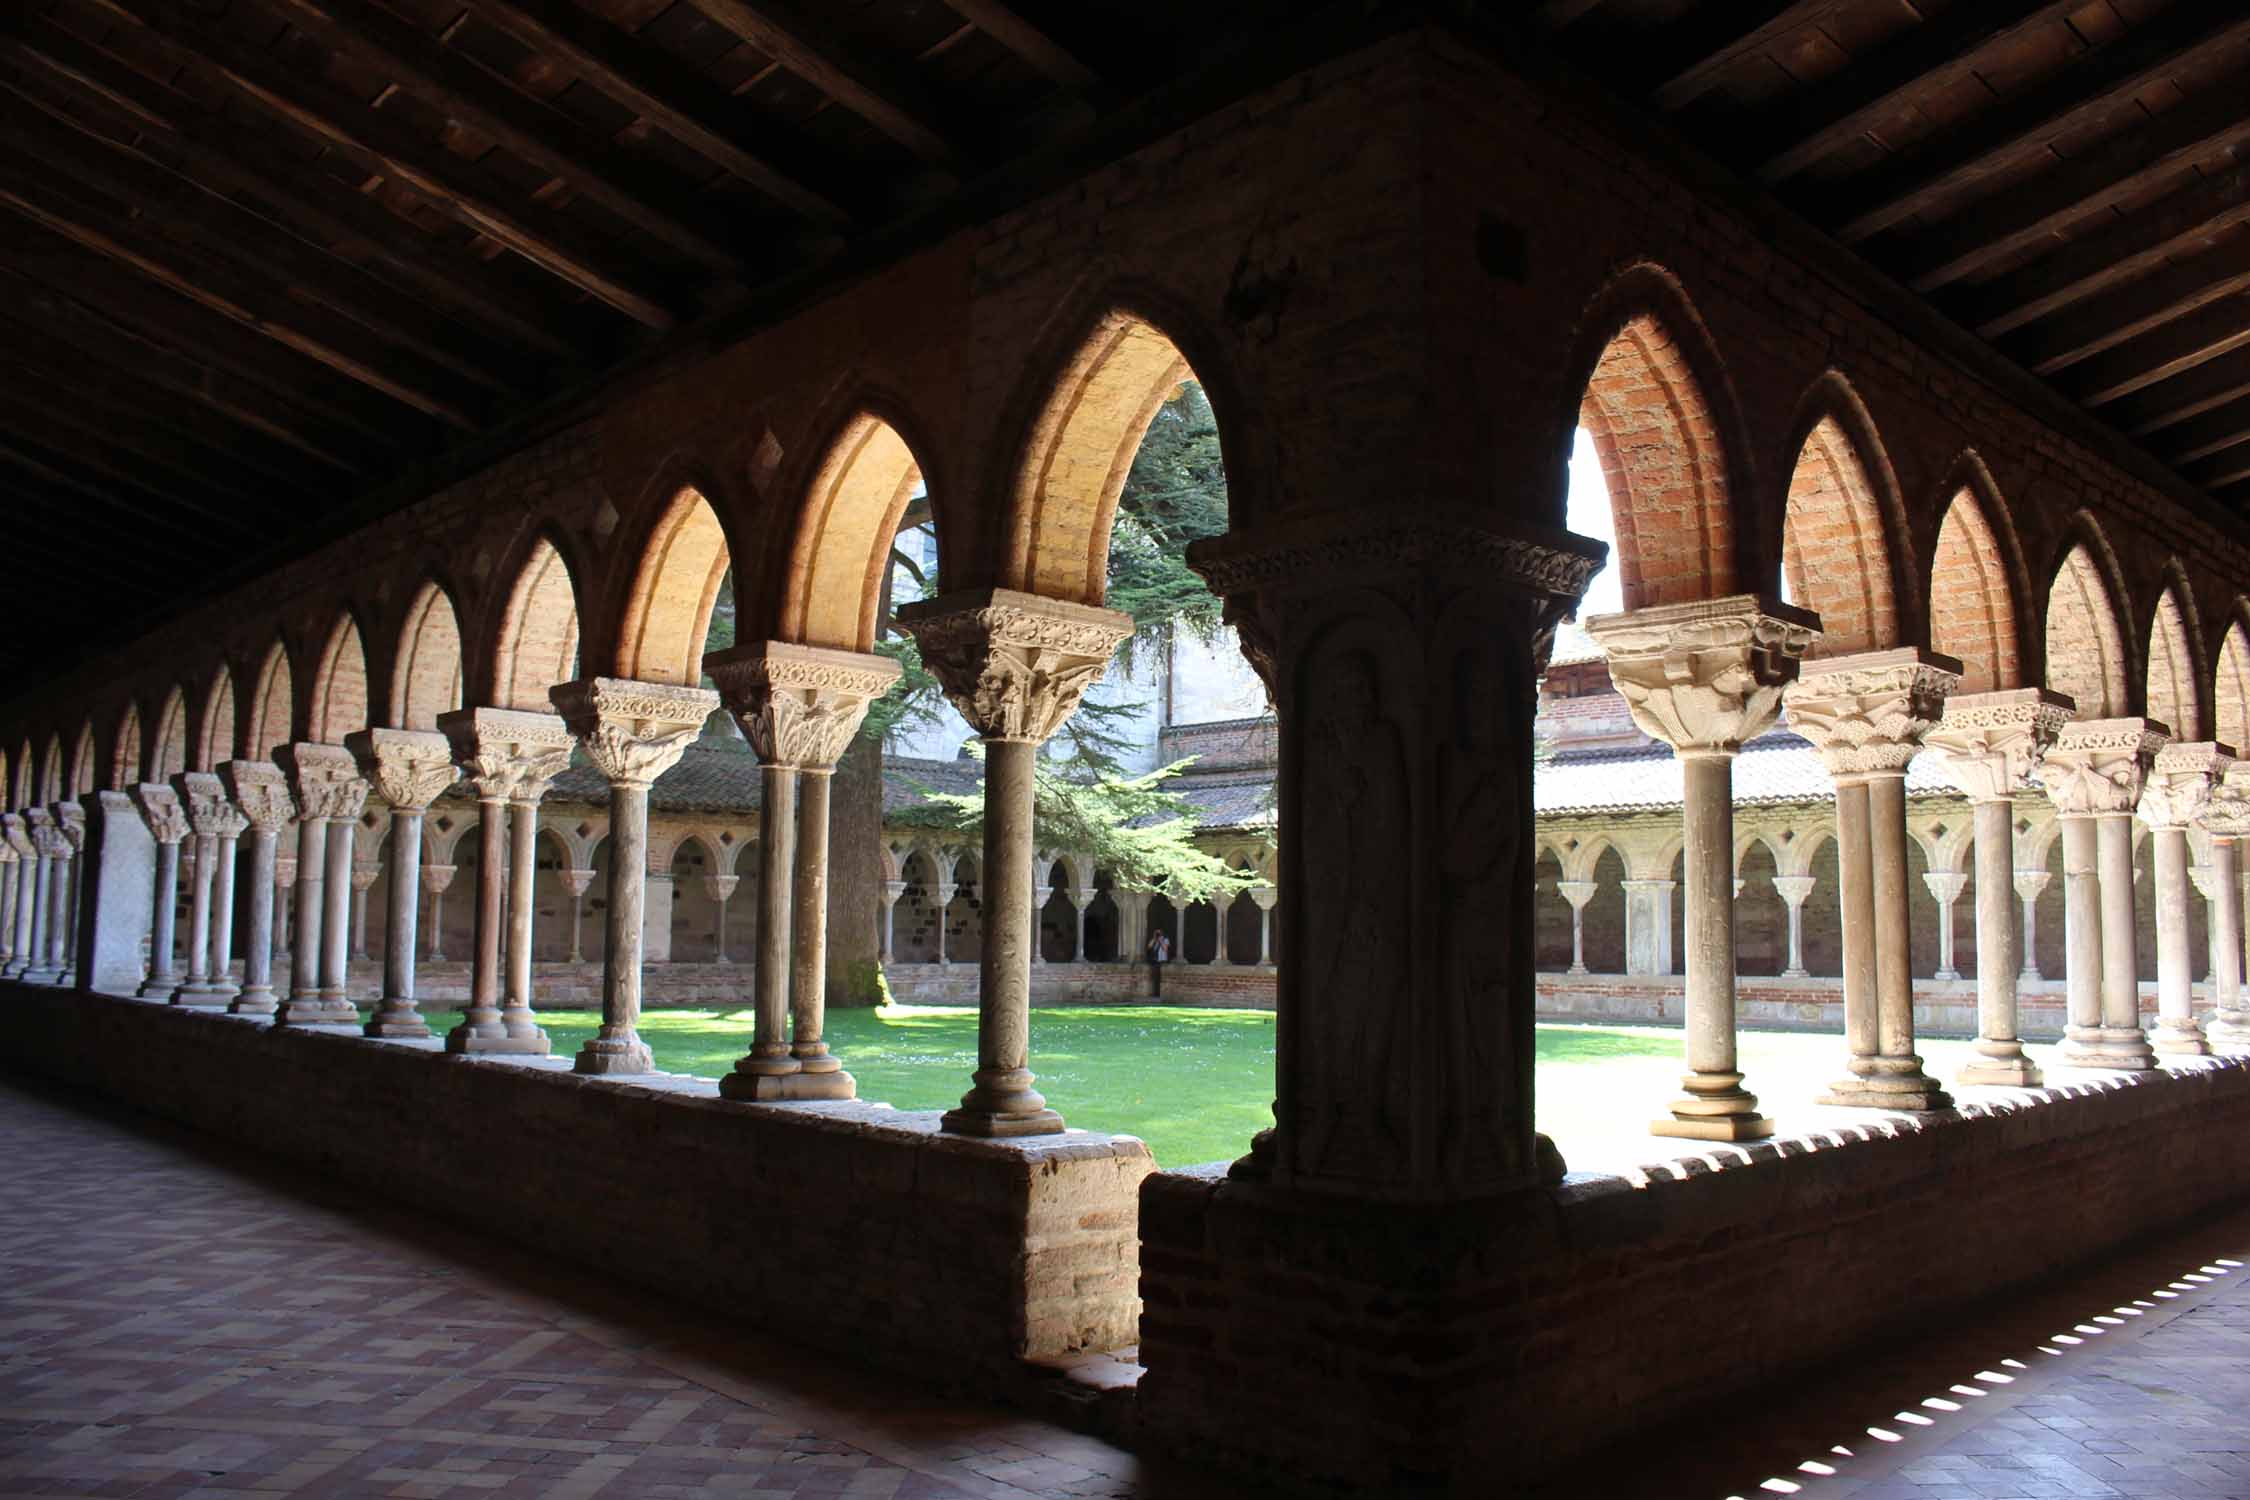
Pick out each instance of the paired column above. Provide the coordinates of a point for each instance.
(1867, 715)
(509, 758)
(408, 769)
(48, 850)
(2177, 792)
(1704, 677)
(70, 883)
(634, 732)
(799, 706)
(2094, 776)
(577, 882)
(1016, 666)
(168, 825)
(260, 792)
(2226, 821)
(437, 880)
(330, 794)
(17, 830)
(1989, 744)
(2030, 885)
(204, 798)
(10, 874)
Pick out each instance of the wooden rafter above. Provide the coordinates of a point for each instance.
(1749, 29)
(2161, 355)
(2215, 431)
(2138, 307)
(185, 472)
(2208, 386)
(113, 481)
(810, 48)
(1005, 25)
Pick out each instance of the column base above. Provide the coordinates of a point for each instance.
(1888, 1083)
(1752, 1127)
(158, 987)
(1795, 974)
(611, 1054)
(965, 1121)
(2117, 1048)
(491, 1038)
(2230, 1028)
(203, 999)
(2000, 1065)
(1575, 970)
(395, 1017)
(253, 1002)
(1946, 974)
(1715, 1107)
(297, 1011)
(2181, 1039)
(771, 1088)
(39, 974)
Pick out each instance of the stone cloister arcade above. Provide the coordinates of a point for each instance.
(1824, 524)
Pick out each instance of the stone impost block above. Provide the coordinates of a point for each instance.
(408, 768)
(2180, 784)
(1706, 675)
(1014, 664)
(2099, 766)
(507, 754)
(633, 731)
(260, 791)
(1990, 743)
(1867, 713)
(325, 779)
(799, 705)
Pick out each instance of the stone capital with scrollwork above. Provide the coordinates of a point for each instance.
(203, 797)
(1867, 713)
(507, 754)
(2226, 813)
(633, 731)
(47, 839)
(799, 705)
(1990, 743)
(408, 768)
(260, 792)
(160, 809)
(70, 822)
(325, 779)
(1705, 676)
(2098, 766)
(1014, 664)
(2180, 784)
(17, 834)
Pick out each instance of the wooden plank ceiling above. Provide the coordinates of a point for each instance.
(2068, 179)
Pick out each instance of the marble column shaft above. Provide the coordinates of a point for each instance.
(2095, 775)
(260, 792)
(168, 825)
(329, 795)
(2179, 789)
(508, 757)
(18, 833)
(408, 769)
(2226, 819)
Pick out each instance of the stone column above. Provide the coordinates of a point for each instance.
(437, 880)
(634, 732)
(329, 794)
(800, 707)
(720, 889)
(167, 824)
(1265, 896)
(409, 769)
(70, 883)
(8, 874)
(364, 874)
(1081, 903)
(1015, 665)
(49, 850)
(17, 831)
(1222, 902)
(2030, 884)
(1945, 888)
(1703, 678)
(1990, 743)
(508, 757)
(2175, 796)
(260, 792)
(577, 882)
(1867, 714)
(892, 890)
(2226, 819)
(233, 823)
(336, 913)
(1403, 649)
(943, 891)
(1577, 893)
(1795, 890)
(2094, 776)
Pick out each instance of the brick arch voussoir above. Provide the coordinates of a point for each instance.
(1832, 397)
(616, 589)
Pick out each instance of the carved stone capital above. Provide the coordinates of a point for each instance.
(1707, 675)
(2226, 814)
(1867, 713)
(160, 808)
(633, 731)
(1990, 743)
(364, 875)
(2029, 883)
(799, 705)
(2182, 780)
(325, 780)
(17, 833)
(578, 882)
(1945, 886)
(39, 828)
(2099, 765)
(202, 796)
(408, 768)
(435, 878)
(1794, 888)
(70, 822)
(260, 791)
(1015, 665)
(720, 887)
(1576, 892)
(507, 754)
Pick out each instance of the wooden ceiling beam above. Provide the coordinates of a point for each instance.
(1746, 29)
(2023, 127)
(1931, 57)
(1006, 25)
(523, 126)
(808, 47)
(2136, 246)
(2215, 431)
(2225, 472)
(677, 99)
(294, 326)
(248, 165)
(2161, 355)
(2113, 318)
(2208, 386)
(114, 483)
(102, 420)
(539, 233)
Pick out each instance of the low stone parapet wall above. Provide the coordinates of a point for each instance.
(1483, 1344)
(1941, 1007)
(853, 1226)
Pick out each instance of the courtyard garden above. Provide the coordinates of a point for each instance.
(1196, 1084)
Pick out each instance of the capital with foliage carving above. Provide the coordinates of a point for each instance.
(2099, 766)
(161, 810)
(46, 839)
(17, 833)
(1016, 665)
(1705, 676)
(70, 822)
(799, 705)
(1867, 713)
(408, 768)
(325, 779)
(507, 754)
(1990, 743)
(203, 797)
(2226, 813)
(260, 792)
(2182, 781)
(633, 731)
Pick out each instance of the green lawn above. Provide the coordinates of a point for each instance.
(1195, 1084)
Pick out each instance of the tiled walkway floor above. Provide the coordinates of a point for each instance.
(177, 1319)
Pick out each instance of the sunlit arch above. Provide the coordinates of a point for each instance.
(339, 695)
(2086, 656)
(1973, 598)
(426, 679)
(2173, 695)
(538, 635)
(85, 774)
(273, 709)
(1837, 548)
(851, 512)
(668, 614)
(215, 741)
(19, 796)
(2230, 697)
(168, 752)
(51, 772)
(125, 753)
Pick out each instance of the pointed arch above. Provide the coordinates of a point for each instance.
(19, 797)
(426, 679)
(2230, 696)
(2086, 655)
(339, 695)
(215, 739)
(667, 616)
(125, 751)
(1973, 615)
(273, 709)
(537, 644)
(85, 773)
(1837, 549)
(168, 751)
(51, 781)
(846, 522)
(2174, 695)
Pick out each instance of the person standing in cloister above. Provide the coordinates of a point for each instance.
(1159, 954)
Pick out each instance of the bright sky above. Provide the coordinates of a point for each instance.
(1587, 513)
